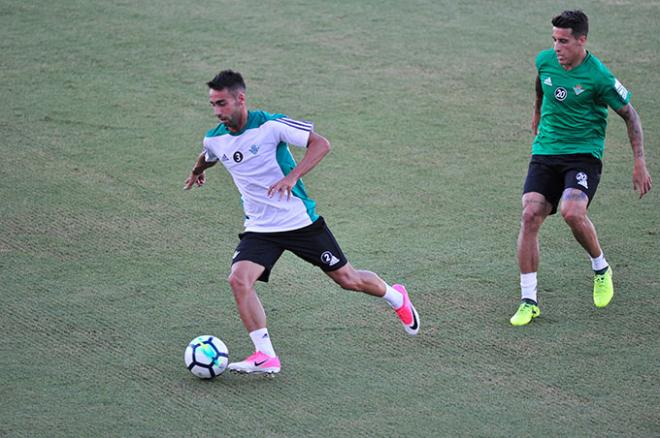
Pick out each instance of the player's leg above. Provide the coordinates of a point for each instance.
(541, 193)
(581, 180)
(574, 204)
(368, 282)
(574, 211)
(244, 275)
(535, 209)
(252, 261)
(317, 245)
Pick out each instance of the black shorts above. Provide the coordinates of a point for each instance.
(550, 175)
(313, 243)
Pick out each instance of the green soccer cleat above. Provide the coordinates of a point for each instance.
(526, 312)
(603, 288)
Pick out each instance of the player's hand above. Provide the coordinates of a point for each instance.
(642, 181)
(283, 187)
(194, 180)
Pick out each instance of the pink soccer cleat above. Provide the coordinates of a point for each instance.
(407, 313)
(257, 362)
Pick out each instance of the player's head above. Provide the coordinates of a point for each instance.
(229, 80)
(569, 35)
(577, 21)
(227, 96)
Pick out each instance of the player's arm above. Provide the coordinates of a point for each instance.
(641, 178)
(536, 111)
(317, 148)
(196, 176)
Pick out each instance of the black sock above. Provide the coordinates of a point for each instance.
(602, 271)
(529, 301)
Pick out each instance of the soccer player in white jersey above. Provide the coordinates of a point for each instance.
(279, 216)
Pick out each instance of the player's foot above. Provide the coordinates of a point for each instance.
(525, 313)
(257, 362)
(603, 288)
(407, 313)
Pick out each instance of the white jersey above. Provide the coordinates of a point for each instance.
(257, 157)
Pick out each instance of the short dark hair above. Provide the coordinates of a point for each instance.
(229, 79)
(576, 20)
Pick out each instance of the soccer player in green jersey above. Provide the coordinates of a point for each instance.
(573, 91)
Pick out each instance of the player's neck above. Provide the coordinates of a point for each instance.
(576, 62)
(242, 122)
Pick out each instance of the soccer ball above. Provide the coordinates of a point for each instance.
(206, 356)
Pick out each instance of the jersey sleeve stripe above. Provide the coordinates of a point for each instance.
(296, 124)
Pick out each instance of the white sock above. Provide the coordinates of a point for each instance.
(528, 286)
(393, 297)
(599, 262)
(261, 341)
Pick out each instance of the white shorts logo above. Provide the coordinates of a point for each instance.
(582, 179)
(329, 259)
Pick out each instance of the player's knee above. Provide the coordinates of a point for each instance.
(238, 283)
(531, 219)
(572, 215)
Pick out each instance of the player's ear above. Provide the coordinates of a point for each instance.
(241, 97)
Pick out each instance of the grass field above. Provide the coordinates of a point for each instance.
(108, 268)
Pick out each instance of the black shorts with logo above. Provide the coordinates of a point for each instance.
(550, 175)
(313, 243)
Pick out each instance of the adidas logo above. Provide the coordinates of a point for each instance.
(548, 81)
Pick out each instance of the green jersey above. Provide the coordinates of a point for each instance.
(574, 108)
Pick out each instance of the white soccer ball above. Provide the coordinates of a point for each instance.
(206, 356)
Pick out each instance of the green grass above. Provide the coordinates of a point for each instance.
(108, 268)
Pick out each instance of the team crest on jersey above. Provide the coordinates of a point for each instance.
(238, 156)
(578, 89)
(254, 149)
(581, 178)
(329, 259)
(560, 93)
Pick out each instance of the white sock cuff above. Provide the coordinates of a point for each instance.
(261, 340)
(259, 333)
(528, 285)
(527, 280)
(599, 262)
(393, 297)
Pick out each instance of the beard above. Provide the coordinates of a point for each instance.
(231, 121)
